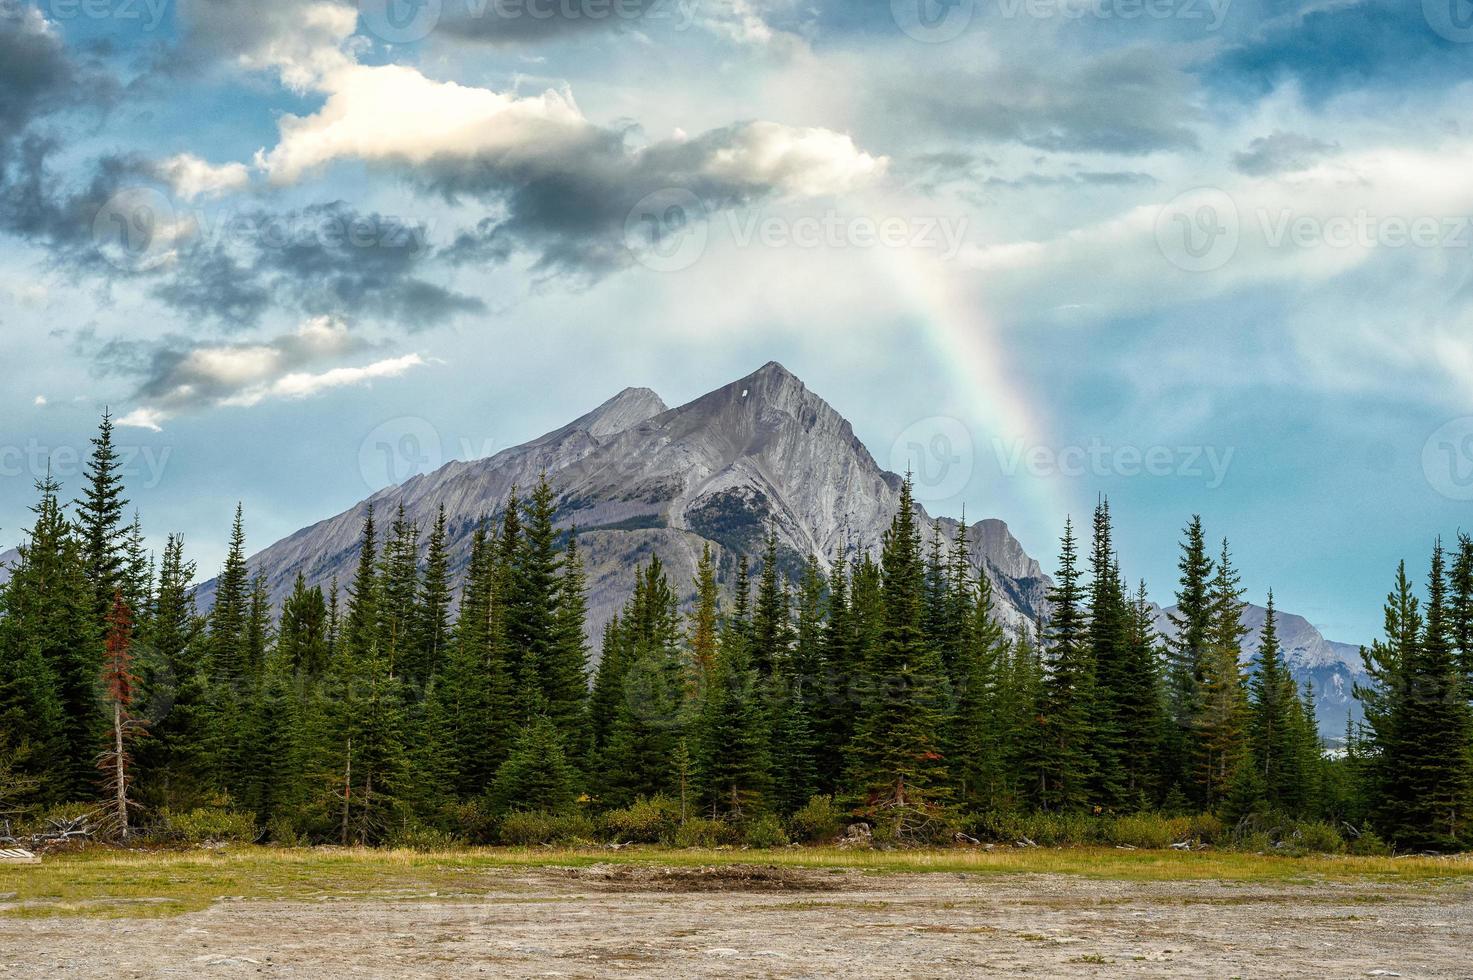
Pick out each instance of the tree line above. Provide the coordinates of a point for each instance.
(418, 696)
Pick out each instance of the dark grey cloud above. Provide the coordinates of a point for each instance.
(1280, 152)
(570, 207)
(1130, 101)
(1329, 48)
(36, 74)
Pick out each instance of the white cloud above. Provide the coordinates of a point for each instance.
(303, 385)
(394, 114)
(809, 162)
(40, 401)
(186, 378)
(190, 177)
(143, 418)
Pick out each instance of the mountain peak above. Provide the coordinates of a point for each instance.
(624, 411)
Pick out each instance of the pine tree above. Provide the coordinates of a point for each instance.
(1187, 652)
(432, 622)
(897, 766)
(1220, 741)
(173, 762)
(564, 673)
(608, 687)
(731, 749)
(137, 574)
(1460, 608)
(1272, 732)
(537, 775)
(1063, 765)
(1385, 664)
(936, 620)
(49, 659)
(303, 636)
(100, 521)
(1108, 639)
(1139, 703)
(397, 594)
(475, 693)
(705, 617)
(1428, 775)
(771, 626)
(978, 732)
(651, 710)
(231, 612)
(841, 672)
(259, 634)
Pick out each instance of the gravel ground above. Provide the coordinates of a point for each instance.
(640, 920)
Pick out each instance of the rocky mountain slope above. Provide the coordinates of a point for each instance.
(639, 478)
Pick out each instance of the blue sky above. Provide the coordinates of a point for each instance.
(1199, 255)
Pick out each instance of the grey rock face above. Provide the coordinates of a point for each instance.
(637, 478)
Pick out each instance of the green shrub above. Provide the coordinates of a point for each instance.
(1149, 830)
(700, 832)
(819, 820)
(646, 821)
(280, 830)
(1315, 837)
(415, 836)
(765, 831)
(469, 819)
(206, 824)
(525, 828)
(1369, 844)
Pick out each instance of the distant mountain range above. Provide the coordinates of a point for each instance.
(1331, 667)
(639, 478)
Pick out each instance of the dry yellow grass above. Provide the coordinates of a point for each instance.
(137, 883)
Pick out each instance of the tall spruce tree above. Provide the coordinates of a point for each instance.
(565, 672)
(705, 618)
(1429, 770)
(1187, 652)
(1108, 638)
(50, 657)
(1220, 739)
(1271, 728)
(978, 730)
(173, 761)
(897, 767)
(431, 628)
(100, 521)
(1063, 762)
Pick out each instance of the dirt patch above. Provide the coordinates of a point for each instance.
(651, 921)
(711, 878)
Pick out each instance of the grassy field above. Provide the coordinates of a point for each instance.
(163, 883)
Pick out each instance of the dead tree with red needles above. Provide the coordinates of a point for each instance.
(119, 686)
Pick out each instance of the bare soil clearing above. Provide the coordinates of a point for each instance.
(759, 920)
